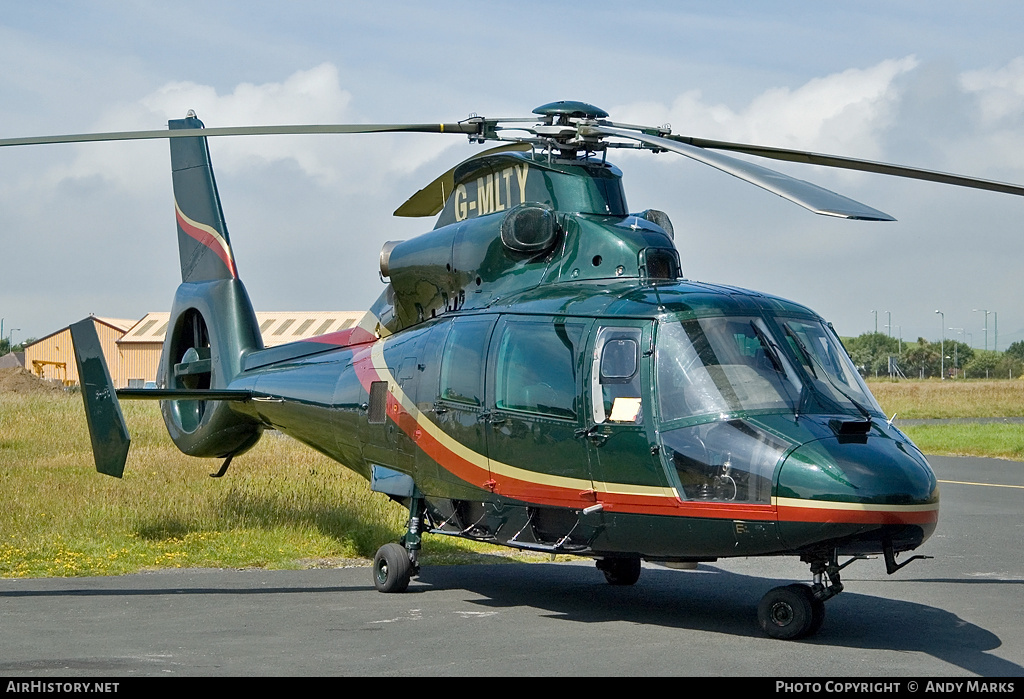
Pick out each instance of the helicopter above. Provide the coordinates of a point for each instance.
(539, 374)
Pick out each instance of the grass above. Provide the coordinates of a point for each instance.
(998, 440)
(281, 505)
(933, 398)
(958, 399)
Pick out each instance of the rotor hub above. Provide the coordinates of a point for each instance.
(564, 110)
(561, 125)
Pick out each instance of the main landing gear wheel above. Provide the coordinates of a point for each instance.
(790, 612)
(392, 568)
(620, 571)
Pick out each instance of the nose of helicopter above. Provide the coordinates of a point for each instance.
(861, 494)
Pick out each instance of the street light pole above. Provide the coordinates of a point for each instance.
(888, 325)
(955, 349)
(876, 321)
(942, 347)
(982, 310)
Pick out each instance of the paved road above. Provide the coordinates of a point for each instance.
(959, 614)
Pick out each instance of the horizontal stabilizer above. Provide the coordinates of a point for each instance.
(183, 394)
(107, 428)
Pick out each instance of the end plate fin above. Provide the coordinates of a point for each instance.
(107, 428)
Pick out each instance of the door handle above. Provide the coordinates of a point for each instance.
(592, 434)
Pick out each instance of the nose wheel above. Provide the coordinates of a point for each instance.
(791, 612)
(798, 611)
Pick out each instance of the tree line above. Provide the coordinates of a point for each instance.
(5, 345)
(924, 359)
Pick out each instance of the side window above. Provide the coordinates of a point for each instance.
(462, 363)
(536, 367)
(616, 376)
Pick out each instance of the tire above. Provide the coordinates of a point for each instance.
(392, 569)
(620, 571)
(788, 612)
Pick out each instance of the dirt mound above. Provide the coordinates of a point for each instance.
(18, 380)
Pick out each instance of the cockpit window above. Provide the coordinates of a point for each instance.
(617, 390)
(718, 366)
(829, 367)
(619, 360)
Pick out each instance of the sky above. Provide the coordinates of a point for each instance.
(89, 228)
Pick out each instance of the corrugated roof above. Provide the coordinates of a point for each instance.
(119, 324)
(123, 324)
(150, 328)
(277, 327)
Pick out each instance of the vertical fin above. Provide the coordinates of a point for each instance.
(211, 316)
(107, 429)
(203, 243)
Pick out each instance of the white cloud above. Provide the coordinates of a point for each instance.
(840, 113)
(314, 96)
(1000, 91)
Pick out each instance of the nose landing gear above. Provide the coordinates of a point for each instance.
(798, 611)
(790, 612)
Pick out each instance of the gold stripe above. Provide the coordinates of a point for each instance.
(497, 467)
(209, 229)
(991, 485)
(864, 507)
(653, 491)
(371, 324)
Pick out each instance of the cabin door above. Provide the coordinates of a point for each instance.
(621, 436)
(459, 408)
(535, 412)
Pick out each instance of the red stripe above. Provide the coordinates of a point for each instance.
(539, 493)
(542, 494)
(840, 516)
(207, 240)
(345, 338)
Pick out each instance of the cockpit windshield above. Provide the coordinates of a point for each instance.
(717, 367)
(721, 366)
(830, 369)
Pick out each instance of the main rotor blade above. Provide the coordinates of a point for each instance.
(465, 128)
(839, 161)
(810, 196)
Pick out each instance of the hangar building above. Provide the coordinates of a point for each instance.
(132, 348)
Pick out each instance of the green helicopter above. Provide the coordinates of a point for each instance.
(538, 373)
